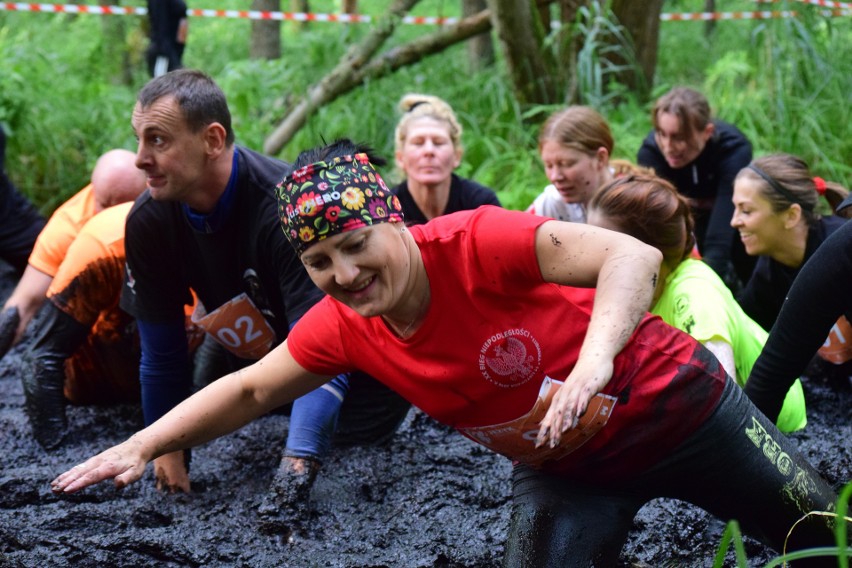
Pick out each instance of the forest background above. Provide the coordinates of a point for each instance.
(68, 84)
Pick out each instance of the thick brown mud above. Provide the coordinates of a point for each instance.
(430, 498)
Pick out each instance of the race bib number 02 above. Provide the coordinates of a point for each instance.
(516, 439)
(238, 326)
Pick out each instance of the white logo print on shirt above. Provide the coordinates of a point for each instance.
(510, 358)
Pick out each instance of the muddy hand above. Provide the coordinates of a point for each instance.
(122, 463)
(170, 471)
(570, 403)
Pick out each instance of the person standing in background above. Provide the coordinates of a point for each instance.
(169, 29)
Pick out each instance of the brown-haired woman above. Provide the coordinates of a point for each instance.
(700, 156)
(575, 145)
(689, 294)
(776, 214)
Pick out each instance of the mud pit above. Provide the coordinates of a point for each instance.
(429, 498)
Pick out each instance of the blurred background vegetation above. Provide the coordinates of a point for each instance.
(68, 85)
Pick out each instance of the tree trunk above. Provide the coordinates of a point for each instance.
(480, 49)
(265, 34)
(535, 75)
(356, 66)
(349, 6)
(709, 25)
(116, 50)
(641, 21)
(300, 6)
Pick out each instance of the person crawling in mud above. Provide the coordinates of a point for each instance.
(817, 306)
(207, 223)
(115, 180)
(471, 317)
(83, 345)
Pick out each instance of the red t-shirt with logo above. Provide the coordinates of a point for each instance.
(495, 330)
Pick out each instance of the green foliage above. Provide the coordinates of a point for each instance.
(841, 552)
(785, 83)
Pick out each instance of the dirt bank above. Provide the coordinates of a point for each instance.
(430, 498)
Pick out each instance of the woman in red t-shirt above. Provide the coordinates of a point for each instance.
(469, 318)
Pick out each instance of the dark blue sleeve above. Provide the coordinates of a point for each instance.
(164, 372)
(313, 419)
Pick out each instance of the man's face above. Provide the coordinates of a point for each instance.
(173, 158)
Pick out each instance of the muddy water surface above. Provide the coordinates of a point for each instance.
(431, 498)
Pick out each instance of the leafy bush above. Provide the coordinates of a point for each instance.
(785, 83)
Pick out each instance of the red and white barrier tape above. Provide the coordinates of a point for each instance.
(838, 9)
(820, 3)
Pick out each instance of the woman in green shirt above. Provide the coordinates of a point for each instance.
(689, 295)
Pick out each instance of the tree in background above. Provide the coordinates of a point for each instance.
(542, 55)
(266, 34)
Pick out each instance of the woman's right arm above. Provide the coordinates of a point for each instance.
(222, 407)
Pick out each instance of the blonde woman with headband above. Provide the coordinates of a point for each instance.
(776, 215)
(428, 150)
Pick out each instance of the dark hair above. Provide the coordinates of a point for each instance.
(690, 106)
(198, 97)
(337, 149)
(650, 209)
(796, 182)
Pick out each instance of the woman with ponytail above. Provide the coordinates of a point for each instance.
(776, 211)
(689, 294)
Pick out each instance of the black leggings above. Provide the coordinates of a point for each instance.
(737, 465)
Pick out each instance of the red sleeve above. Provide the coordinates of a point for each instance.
(316, 342)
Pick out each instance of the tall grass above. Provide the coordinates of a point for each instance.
(786, 83)
(842, 552)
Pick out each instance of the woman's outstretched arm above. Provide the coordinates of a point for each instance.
(224, 406)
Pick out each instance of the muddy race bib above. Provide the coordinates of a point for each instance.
(238, 326)
(516, 439)
(837, 348)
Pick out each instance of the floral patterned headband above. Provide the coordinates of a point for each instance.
(325, 199)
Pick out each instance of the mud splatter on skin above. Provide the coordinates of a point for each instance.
(428, 499)
(555, 241)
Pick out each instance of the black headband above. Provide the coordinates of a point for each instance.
(780, 188)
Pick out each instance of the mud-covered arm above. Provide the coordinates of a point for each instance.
(222, 407)
(624, 272)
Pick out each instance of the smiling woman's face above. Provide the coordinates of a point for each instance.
(760, 227)
(679, 147)
(367, 269)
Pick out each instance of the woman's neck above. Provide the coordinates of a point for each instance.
(407, 317)
(791, 250)
(431, 199)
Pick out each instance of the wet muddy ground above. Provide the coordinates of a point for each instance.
(428, 499)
